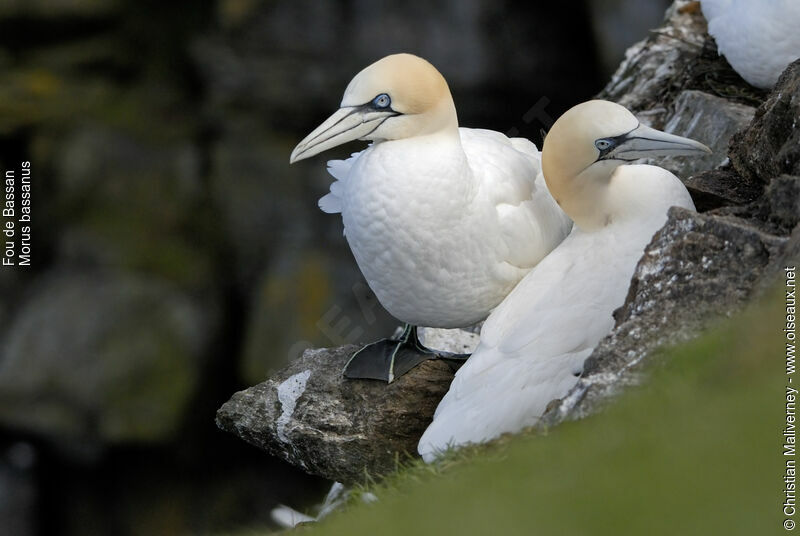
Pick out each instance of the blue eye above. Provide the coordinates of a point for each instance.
(382, 101)
(602, 145)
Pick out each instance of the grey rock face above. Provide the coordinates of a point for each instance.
(706, 118)
(696, 268)
(789, 256)
(716, 188)
(92, 360)
(678, 56)
(711, 120)
(651, 65)
(312, 417)
(771, 145)
(777, 211)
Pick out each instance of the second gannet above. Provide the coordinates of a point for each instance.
(443, 221)
(759, 38)
(533, 345)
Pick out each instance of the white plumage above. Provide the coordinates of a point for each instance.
(534, 344)
(443, 221)
(759, 38)
(443, 226)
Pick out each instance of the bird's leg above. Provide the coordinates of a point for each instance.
(388, 359)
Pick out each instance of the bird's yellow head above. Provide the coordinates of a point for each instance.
(399, 96)
(588, 143)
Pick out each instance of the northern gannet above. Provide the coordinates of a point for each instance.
(443, 221)
(759, 38)
(534, 343)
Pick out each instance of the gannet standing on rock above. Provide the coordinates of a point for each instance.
(443, 222)
(533, 344)
(759, 38)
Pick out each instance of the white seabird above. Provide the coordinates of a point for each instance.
(443, 221)
(759, 38)
(533, 345)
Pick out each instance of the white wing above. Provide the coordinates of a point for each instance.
(534, 343)
(508, 172)
(509, 176)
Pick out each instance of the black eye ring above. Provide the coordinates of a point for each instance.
(382, 101)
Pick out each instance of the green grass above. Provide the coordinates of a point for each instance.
(695, 450)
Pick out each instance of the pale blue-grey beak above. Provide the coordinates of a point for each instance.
(346, 124)
(646, 142)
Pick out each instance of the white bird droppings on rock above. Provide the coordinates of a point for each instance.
(288, 393)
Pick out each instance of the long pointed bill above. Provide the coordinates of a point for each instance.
(346, 124)
(646, 142)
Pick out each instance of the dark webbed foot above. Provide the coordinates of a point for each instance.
(388, 359)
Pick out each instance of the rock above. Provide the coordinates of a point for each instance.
(713, 121)
(697, 268)
(676, 57)
(652, 64)
(708, 119)
(344, 430)
(791, 252)
(96, 359)
(721, 187)
(776, 212)
(770, 146)
(776, 270)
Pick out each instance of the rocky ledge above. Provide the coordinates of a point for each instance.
(310, 416)
(698, 268)
(345, 430)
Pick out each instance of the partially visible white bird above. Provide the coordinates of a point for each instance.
(534, 344)
(443, 221)
(759, 38)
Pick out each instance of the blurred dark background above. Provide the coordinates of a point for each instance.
(177, 257)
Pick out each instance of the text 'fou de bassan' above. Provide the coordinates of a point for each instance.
(17, 217)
